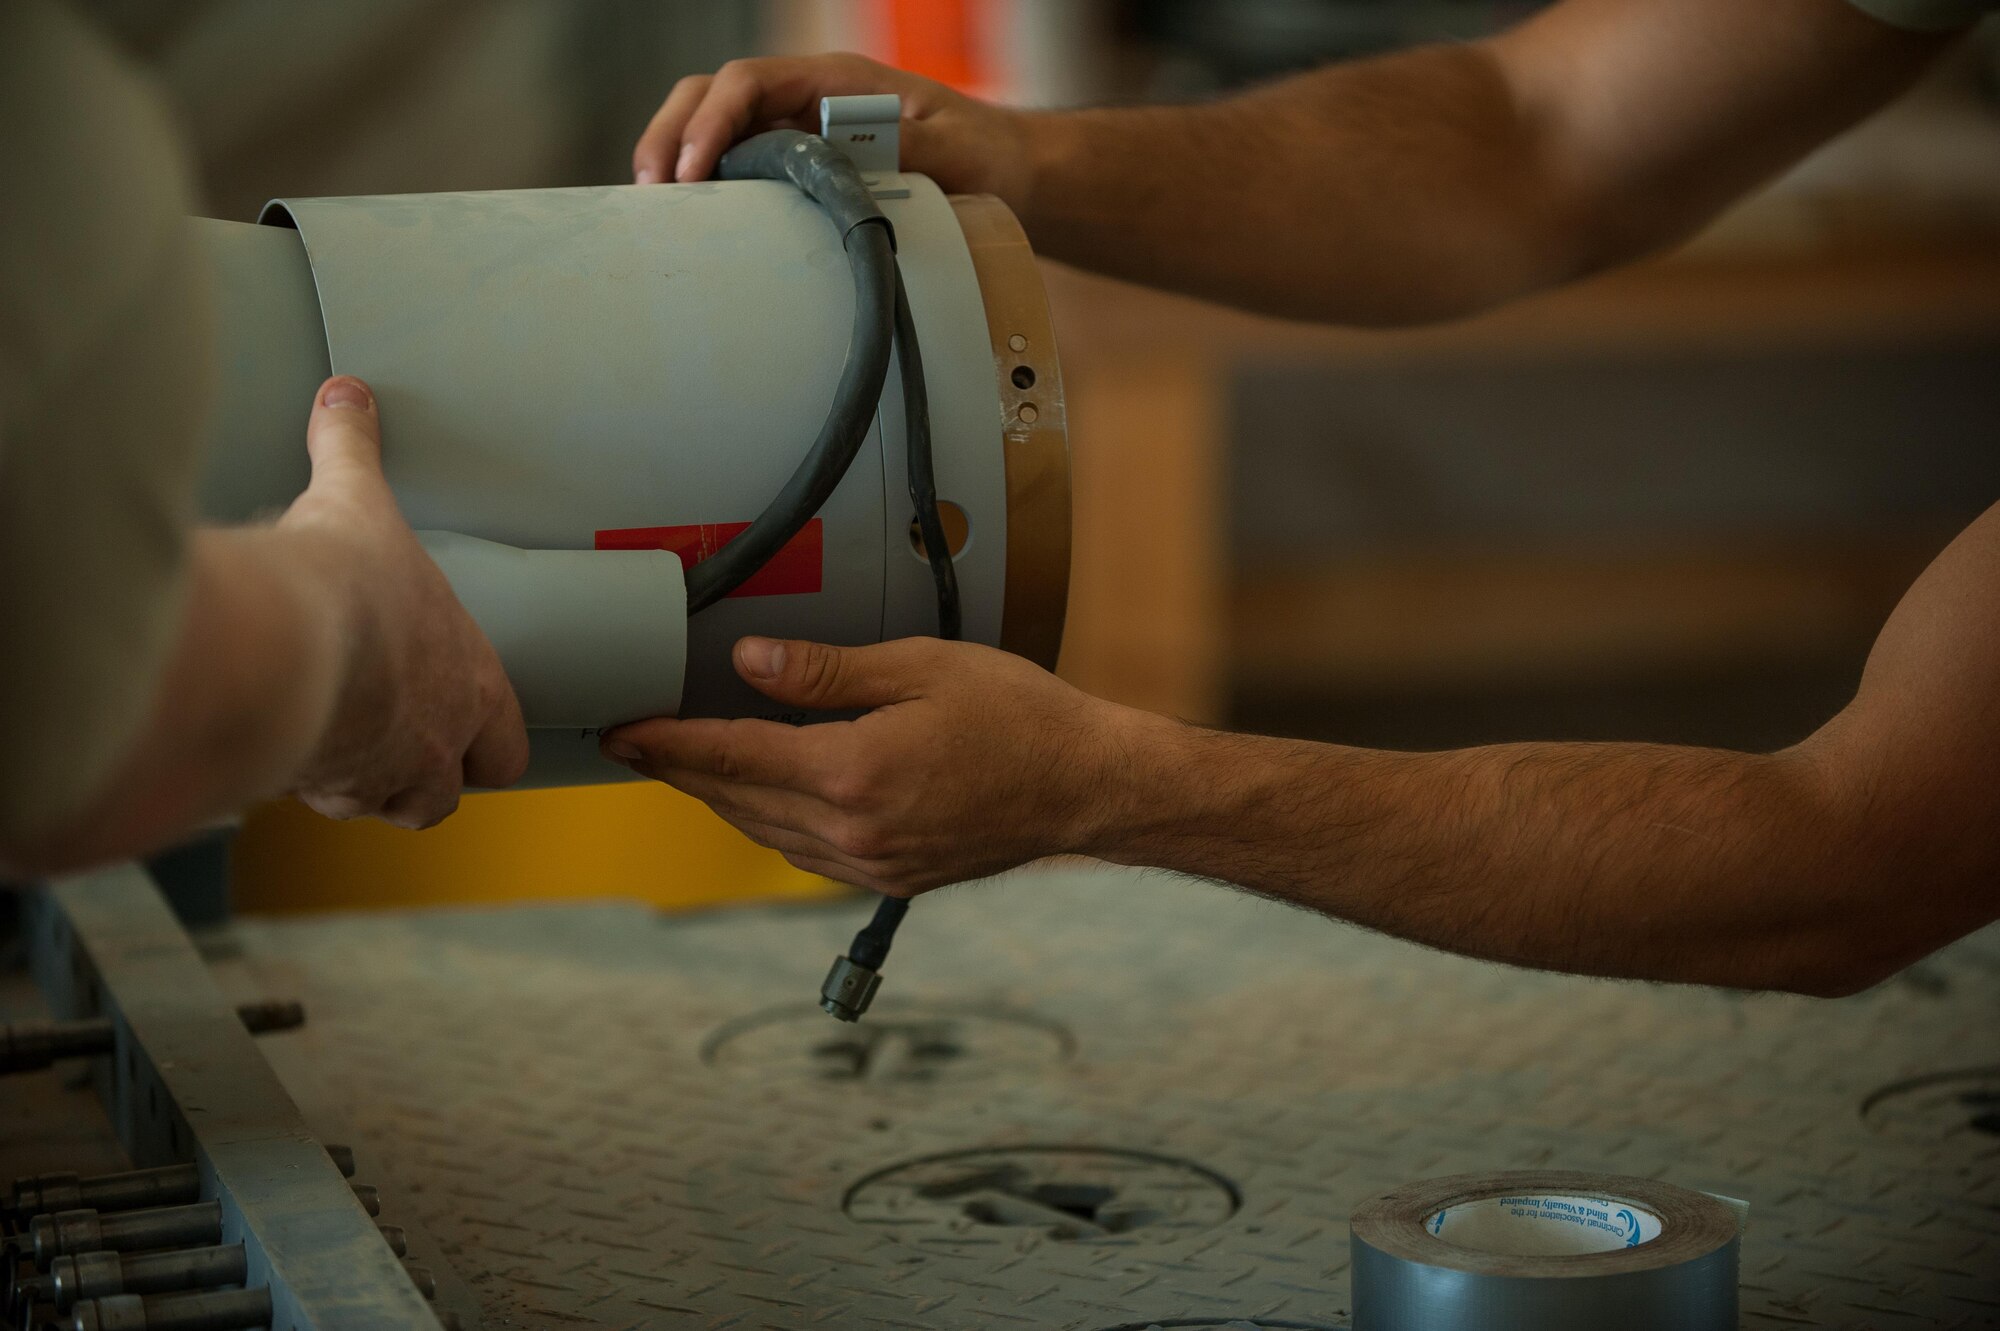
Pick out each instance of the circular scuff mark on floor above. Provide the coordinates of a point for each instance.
(1059, 1194)
(1956, 1108)
(896, 1044)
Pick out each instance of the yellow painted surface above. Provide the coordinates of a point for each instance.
(640, 840)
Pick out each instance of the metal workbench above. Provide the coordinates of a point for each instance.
(1091, 1099)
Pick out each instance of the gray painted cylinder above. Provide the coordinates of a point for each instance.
(613, 368)
(590, 638)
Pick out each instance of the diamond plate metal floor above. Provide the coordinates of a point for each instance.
(613, 1118)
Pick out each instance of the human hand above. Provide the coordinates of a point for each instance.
(967, 146)
(424, 707)
(972, 761)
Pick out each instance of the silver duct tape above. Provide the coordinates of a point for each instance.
(1541, 1249)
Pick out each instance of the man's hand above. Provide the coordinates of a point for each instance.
(967, 146)
(1819, 869)
(326, 655)
(424, 708)
(972, 761)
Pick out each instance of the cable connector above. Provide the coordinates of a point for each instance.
(851, 984)
(849, 989)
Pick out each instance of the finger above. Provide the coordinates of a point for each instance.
(736, 101)
(340, 808)
(853, 875)
(816, 675)
(839, 873)
(765, 753)
(749, 94)
(344, 435)
(786, 840)
(498, 754)
(421, 806)
(800, 814)
(653, 157)
(809, 855)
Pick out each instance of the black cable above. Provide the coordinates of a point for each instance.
(881, 316)
(870, 947)
(923, 477)
(829, 179)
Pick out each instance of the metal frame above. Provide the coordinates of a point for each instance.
(185, 1082)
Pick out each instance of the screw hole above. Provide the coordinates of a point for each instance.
(957, 529)
(1024, 376)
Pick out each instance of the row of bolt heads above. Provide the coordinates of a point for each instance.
(138, 1252)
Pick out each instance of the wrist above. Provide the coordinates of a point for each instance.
(1044, 142)
(270, 659)
(1142, 780)
(334, 620)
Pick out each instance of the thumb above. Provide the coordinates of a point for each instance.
(344, 436)
(813, 674)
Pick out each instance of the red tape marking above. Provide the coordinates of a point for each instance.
(795, 569)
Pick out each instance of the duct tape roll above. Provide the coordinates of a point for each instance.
(1539, 1249)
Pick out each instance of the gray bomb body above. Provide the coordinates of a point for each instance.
(556, 365)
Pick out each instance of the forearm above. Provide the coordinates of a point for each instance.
(1385, 191)
(245, 694)
(1444, 179)
(1632, 860)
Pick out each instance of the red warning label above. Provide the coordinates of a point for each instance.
(796, 568)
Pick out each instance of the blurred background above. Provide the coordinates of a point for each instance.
(1674, 503)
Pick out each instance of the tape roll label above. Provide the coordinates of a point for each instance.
(1544, 1225)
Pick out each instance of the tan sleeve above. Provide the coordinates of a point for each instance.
(103, 383)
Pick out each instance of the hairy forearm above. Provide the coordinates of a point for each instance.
(1385, 191)
(1633, 860)
(1445, 179)
(243, 698)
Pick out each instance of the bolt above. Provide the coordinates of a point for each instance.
(398, 1241)
(211, 1310)
(370, 1199)
(166, 1185)
(28, 1045)
(67, 1233)
(271, 1015)
(99, 1275)
(421, 1277)
(44, 1192)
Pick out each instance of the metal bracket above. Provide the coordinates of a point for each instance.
(869, 130)
(192, 1098)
